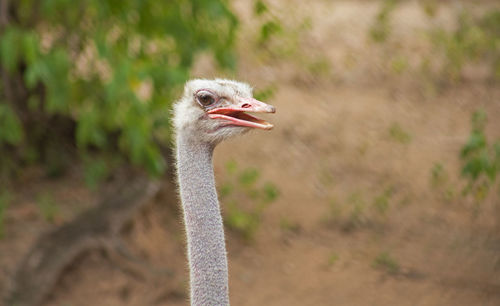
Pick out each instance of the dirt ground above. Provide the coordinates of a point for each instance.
(332, 155)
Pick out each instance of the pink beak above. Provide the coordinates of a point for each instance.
(235, 115)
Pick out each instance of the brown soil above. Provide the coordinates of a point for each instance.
(331, 149)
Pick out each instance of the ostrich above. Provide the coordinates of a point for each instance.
(209, 112)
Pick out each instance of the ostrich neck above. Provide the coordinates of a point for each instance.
(203, 221)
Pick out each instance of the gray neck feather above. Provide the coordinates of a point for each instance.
(203, 221)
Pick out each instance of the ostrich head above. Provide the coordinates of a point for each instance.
(213, 110)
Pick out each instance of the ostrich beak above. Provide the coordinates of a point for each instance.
(236, 114)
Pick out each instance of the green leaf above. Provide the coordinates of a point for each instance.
(249, 176)
(11, 130)
(96, 170)
(265, 94)
(259, 7)
(225, 190)
(88, 131)
(269, 29)
(271, 192)
(479, 120)
(154, 161)
(476, 142)
(57, 81)
(10, 48)
(231, 166)
(473, 168)
(30, 47)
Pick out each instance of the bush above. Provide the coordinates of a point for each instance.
(476, 40)
(100, 75)
(480, 160)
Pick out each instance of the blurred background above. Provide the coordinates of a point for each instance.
(378, 185)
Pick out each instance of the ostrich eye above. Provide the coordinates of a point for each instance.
(205, 98)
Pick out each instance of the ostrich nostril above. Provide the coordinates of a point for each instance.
(246, 105)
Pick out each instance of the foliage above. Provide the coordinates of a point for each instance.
(332, 259)
(10, 126)
(48, 208)
(440, 182)
(4, 203)
(385, 262)
(380, 30)
(245, 199)
(438, 175)
(397, 133)
(264, 94)
(476, 39)
(277, 40)
(357, 212)
(429, 7)
(480, 166)
(382, 201)
(271, 24)
(351, 215)
(110, 68)
(357, 215)
(480, 160)
(399, 64)
(96, 169)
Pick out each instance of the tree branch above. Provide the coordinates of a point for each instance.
(4, 14)
(96, 228)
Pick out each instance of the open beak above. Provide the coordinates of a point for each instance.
(236, 114)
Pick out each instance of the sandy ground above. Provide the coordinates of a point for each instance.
(330, 152)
